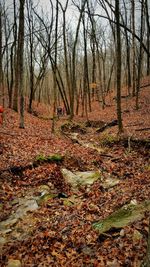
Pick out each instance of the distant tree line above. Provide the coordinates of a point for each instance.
(53, 58)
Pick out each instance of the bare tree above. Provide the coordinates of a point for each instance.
(85, 72)
(133, 48)
(15, 98)
(127, 40)
(140, 57)
(148, 34)
(31, 50)
(73, 78)
(118, 65)
(55, 67)
(20, 61)
(66, 58)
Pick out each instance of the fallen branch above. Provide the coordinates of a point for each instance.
(145, 85)
(138, 142)
(136, 124)
(107, 125)
(143, 129)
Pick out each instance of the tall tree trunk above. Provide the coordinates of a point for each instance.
(140, 55)
(55, 69)
(148, 34)
(127, 51)
(68, 82)
(118, 65)
(133, 48)
(20, 61)
(73, 79)
(100, 76)
(85, 74)
(31, 66)
(1, 69)
(15, 98)
(11, 75)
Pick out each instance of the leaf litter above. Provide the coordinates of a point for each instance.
(60, 232)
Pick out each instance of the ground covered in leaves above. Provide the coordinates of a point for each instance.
(60, 231)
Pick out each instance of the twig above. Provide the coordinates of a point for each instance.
(143, 129)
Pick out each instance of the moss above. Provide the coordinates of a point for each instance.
(49, 158)
(147, 167)
(107, 139)
(40, 158)
(45, 198)
(124, 216)
(55, 158)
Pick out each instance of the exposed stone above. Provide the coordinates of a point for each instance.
(14, 263)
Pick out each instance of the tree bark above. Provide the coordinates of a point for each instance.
(118, 66)
(140, 55)
(15, 97)
(20, 61)
(1, 70)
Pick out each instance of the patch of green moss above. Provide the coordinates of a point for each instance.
(40, 157)
(107, 139)
(147, 167)
(55, 158)
(49, 158)
(45, 198)
(124, 216)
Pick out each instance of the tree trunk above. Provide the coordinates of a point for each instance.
(31, 66)
(148, 35)
(140, 56)
(73, 79)
(118, 67)
(20, 61)
(55, 69)
(15, 98)
(1, 70)
(127, 50)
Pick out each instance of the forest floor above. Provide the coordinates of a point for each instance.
(61, 233)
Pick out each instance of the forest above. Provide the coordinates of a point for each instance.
(74, 133)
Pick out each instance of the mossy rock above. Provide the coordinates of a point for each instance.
(122, 217)
(43, 188)
(76, 179)
(14, 263)
(68, 202)
(44, 198)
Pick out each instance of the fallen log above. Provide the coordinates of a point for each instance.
(107, 125)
